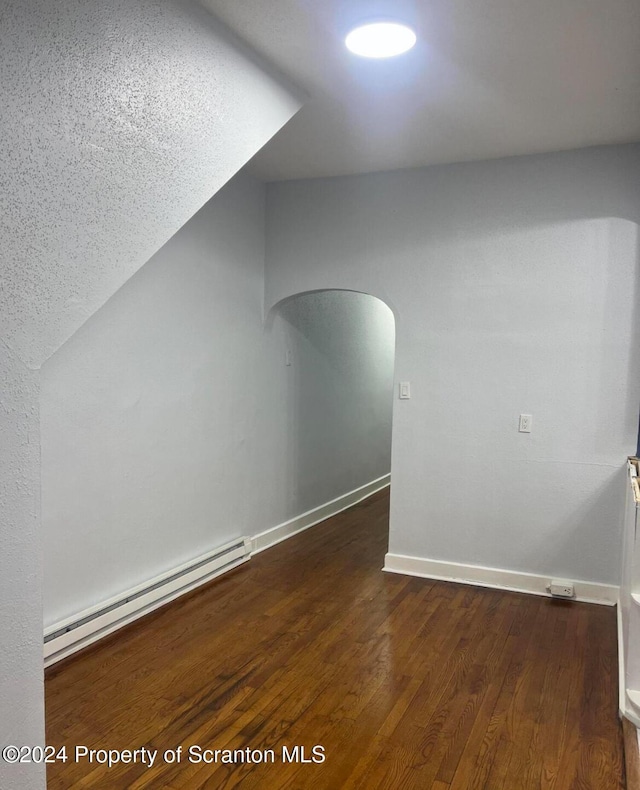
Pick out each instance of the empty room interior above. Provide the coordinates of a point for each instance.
(320, 394)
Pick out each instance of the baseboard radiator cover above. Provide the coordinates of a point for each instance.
(66, 637)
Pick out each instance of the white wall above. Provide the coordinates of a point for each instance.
(21, 679)
(153, 413)
(118, 121)
(172, 424)
(341, 378)
(514, 287)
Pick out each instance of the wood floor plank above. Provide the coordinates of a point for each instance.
(523, 763)
(478, 760)
(405, 682)
(631, 755)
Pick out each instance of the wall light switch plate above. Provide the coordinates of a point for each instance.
(405, 390)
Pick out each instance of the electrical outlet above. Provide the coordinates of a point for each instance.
(560, 588)
(525, 423)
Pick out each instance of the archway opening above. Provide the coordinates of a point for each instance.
(339, 367)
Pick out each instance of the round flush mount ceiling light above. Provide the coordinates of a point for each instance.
(380, 40)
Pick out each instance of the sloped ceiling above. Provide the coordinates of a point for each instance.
(486, 79)
(119, 121)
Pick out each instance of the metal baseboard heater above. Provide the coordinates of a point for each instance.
(76, 632)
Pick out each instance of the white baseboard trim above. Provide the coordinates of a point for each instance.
(288, 529)
(496, 578)
(631, 708)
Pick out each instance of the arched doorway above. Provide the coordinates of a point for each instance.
(339, 363)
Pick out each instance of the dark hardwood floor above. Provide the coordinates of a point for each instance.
(405, 682)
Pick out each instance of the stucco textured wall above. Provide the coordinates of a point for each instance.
(119, 120)
(21, 681)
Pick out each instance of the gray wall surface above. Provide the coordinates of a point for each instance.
(171, 422)
(152, 440)
(514, 285)
(119, 120)
(21, 677)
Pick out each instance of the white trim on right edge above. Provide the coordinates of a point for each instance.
(624, 708)
(497, 578)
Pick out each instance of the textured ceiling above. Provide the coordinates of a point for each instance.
(486, 79)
